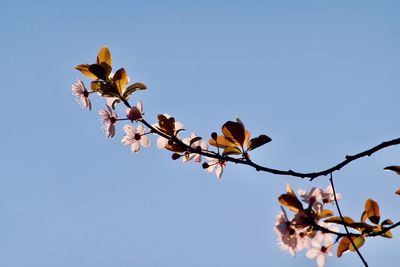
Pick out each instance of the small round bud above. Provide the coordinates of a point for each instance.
(175, 156)
(214, 135)
(205, 165)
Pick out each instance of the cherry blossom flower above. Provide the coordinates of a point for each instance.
(321, 246)
(287, 238)
(81, 94)
(327, 196)
(199, 143)
(135, 113)
(108, 119)
(217, 166)
(313, 198)
(135, 137)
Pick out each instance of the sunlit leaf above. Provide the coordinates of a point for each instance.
(358, 242)
(388, 234)
(104, 59)
(231, 150)
(120, 79)
(234, 132)
(133, 88)
(372, 210)
(396, 169)
(258, 141)
(221, 142)
(291, 202)
(343, 246)
(364, 216)
(84, 69)
(325, 213)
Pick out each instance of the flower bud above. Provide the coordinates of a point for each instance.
(214, 136)
(205, 165)
(175, 156)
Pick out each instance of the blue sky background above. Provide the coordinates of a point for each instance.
(319, 77)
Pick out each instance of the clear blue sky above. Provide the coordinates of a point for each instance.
(320, 77)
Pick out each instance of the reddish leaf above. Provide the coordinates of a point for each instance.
(338, 220)
(258, 141)
(120, 79)
(230, 150)
(343, 246)
(98, 71)
(396, 169)
(372, 210)
(234, 132)
(104, 59)
(325, 213)
(397, 191)
(291, 202)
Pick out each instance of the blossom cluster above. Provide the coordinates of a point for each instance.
(304, 230)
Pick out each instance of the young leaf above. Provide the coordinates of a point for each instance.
(121, 80)
(325, 213)
(358, 241)
(338, 220)
(231, 150)
(84, 69)
(133, 88)
(221, 142)
(291, 202)
(234, 132)
(397, 192)
(372, 210)
(343, 246)
(258, 141)
(104, 59)
(167, 125)
(396, 169)
(387, 222)
(388, 234)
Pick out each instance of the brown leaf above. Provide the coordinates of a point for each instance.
(167, 125)
(221, 142)
(84, 69)
(396, 169)
(104, 59)
(387, 222)
(234, 132)
(120, 79)
(338, 220)
(325, 213)
(343, 246)
(291, 202)
(133, 88)
(388, 234)
(397, 192)
(231, 150)
(258, 141)
(372, 210)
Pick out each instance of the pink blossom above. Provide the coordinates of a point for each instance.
(287, 238)
(327, 196)
(135, 113)
(197, 144)
(321, 246)
(217, 166)
(313, 198)
(108, 119)
(81, 94)
(135, 137)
